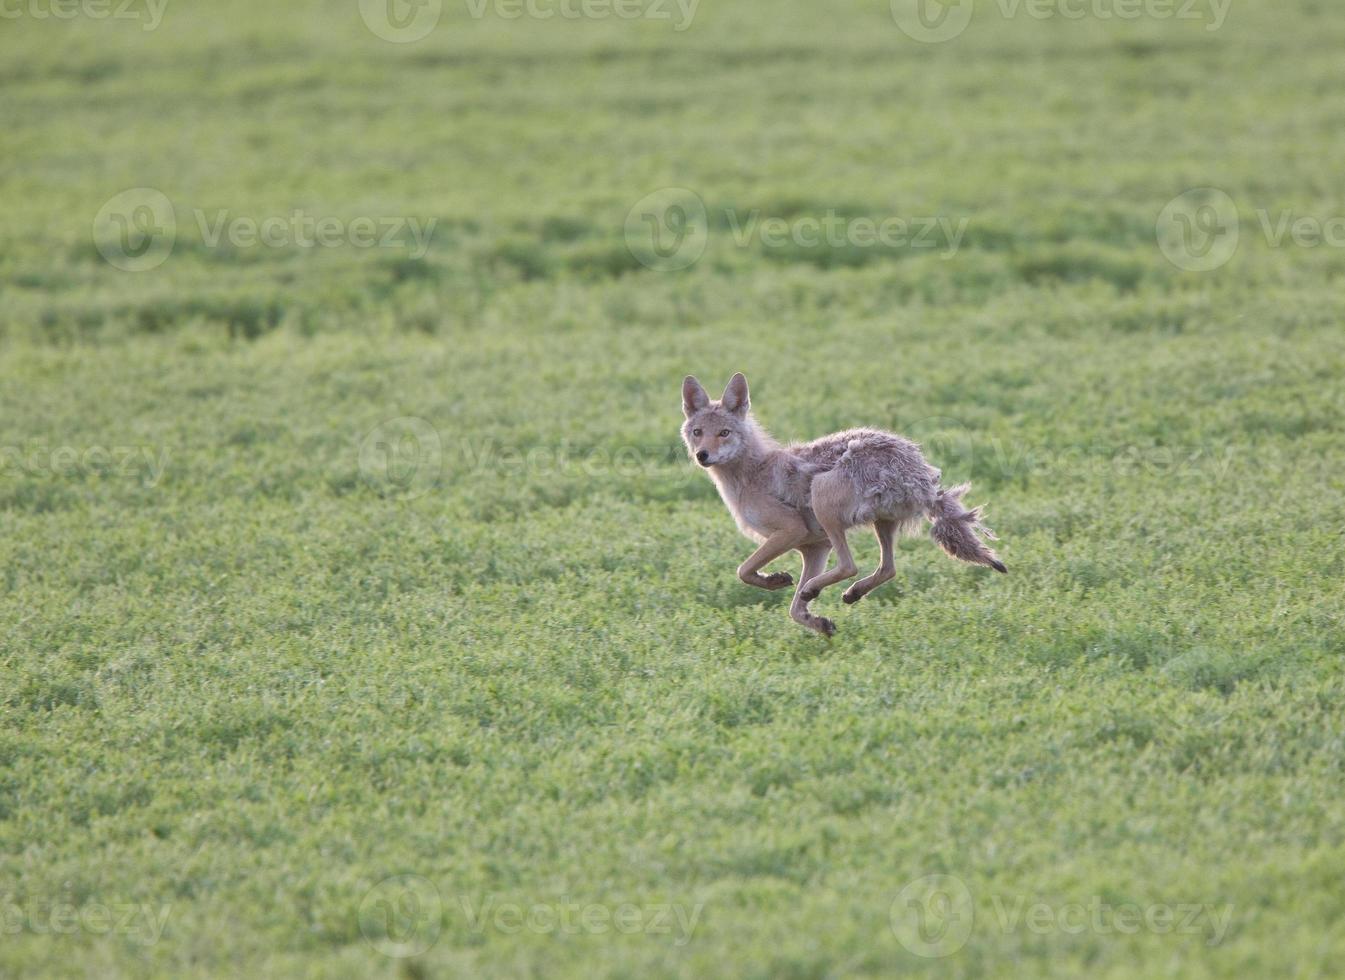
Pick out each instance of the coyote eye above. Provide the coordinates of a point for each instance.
(695, 432)
(723, 433)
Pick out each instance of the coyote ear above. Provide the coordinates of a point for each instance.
(735, 397)
(694, 397)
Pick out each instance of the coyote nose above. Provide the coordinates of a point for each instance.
(702, 457)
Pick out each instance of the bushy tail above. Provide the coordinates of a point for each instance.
(958, 531)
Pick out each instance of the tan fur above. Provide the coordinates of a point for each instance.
(805, 497)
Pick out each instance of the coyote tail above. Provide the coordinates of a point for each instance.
(958, 531)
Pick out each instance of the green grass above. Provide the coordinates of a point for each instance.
(247, 673)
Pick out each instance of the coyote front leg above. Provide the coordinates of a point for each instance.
(773, 547)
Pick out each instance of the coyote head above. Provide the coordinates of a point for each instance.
(716, 432)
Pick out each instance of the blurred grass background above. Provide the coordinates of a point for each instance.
(247, 675)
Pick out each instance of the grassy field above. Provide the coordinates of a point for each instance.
(361, 614)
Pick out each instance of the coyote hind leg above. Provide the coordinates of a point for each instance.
(814, 562)
(887, 570)
(831, 500)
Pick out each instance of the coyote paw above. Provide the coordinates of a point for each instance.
(824, 626)
(852, 595)
(777, 580)
(808, 595)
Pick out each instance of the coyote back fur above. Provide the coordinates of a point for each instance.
(804, 497)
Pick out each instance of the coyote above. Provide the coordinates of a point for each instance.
(805, 497)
